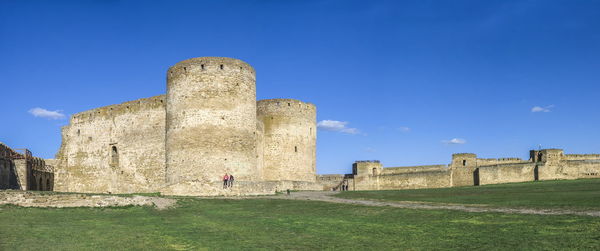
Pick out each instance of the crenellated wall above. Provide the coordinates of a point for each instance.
(22, 171)
(468, 170)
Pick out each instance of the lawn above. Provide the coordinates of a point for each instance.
(583, 194)
(286, 224)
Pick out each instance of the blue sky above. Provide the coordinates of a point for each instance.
(405, 82)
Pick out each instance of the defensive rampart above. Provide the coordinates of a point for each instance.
(468, 170)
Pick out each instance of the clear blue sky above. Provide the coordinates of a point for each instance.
(413, 81)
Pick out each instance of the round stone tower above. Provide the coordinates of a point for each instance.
(290, 136)
(211, 120)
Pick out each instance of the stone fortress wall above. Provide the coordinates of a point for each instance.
(209, 123)
(182, 143)
(289, 142)
(21, 171)
(118, 148)
(468, 170)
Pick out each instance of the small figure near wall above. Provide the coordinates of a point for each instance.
(230, 183)
(225, 181)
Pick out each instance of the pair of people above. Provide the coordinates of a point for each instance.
(227, 181)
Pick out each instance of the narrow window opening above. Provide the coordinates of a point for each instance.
(114, 156)
(185, 69)
(221, 67)
(374, 171)
(202, 66)
(289, 104)
(295, 148)
(78, 132)
(464, 162)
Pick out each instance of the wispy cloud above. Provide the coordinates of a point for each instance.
(404, 129)
(455, 141)
(336, 126)
(542, 109)
(43, 113)
(370, 150)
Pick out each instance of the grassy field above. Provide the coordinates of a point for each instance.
(583, 194)
(297, 225)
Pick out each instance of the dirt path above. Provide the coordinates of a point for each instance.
(327, 197)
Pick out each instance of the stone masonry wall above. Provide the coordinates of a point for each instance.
(117, 149)
(289, 139)
(211, 120)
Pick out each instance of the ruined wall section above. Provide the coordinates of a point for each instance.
(289, 139)
(117, 148)
(211, 120)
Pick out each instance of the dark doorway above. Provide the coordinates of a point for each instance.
(40, 185)
(536, 175)
(476, 177)
(114, 161)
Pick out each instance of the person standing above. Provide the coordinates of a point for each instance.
(230, 180)
(225, 180)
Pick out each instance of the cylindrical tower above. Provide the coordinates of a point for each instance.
(211, 120)
(290, 137)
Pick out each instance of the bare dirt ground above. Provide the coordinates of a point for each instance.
(327, 197)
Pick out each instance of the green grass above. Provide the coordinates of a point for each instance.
(286, 224)
(565, 194)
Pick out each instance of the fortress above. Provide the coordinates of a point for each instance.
(209, 123)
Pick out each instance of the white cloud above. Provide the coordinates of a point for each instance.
(404, 129)
(454, 141)
(43, 113)
(541, 109)
(336, 126)
(370, 150)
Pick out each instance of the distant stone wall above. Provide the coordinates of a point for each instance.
(118, 149)
(506, 173)
(330, 181)
(581, 156)
(22, 171)
(407, 180)
(468, 170)
(412, 169)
